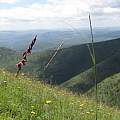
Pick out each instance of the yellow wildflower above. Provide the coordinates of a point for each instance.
(22, 74)
(4, 72)
(33, 113)
(81, 105)
(88, 112)
(48, 102)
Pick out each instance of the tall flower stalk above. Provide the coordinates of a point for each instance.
(27, 52)
(93, 56)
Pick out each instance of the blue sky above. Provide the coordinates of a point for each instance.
(16, 3)
(58, 14)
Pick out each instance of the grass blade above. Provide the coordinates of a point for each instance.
(92, 52)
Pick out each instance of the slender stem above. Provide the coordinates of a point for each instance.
(94, 66)
(51, 59)
(18, 71)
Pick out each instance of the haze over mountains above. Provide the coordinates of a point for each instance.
(18, 40)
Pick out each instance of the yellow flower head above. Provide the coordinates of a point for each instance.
(88, 112)
(48, 102)
(4, 72)
(33, 113)
(22, 74)
(81, 105)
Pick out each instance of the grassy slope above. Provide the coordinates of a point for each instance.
(76, 59)
(72, 61)
(68, 63)
(22, 99)
(84, 81)
(108, 90)
(8, 58)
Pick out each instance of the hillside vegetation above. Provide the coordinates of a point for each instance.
(68, 63)
(71, 68)
(108, 91)
(8, 58)
(84, 81)
(22, 98)
(74, 60)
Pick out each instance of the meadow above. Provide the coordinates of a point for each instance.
(23, 98)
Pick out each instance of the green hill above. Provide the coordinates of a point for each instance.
(22, 99)
(72, 61)
(108, 88)
(67, 64)
(8, 58)
(84, 81)
(108, 91)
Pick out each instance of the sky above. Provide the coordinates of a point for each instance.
(58, 14)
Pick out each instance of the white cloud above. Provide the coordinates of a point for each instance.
(66, 8)
(112, 10)
(7, 1)
(56, 12)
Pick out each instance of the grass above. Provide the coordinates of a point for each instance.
(85, 81)
(93, 57)
(25, 99)
(108, 91)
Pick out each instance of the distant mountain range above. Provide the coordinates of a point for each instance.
(47, 39)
